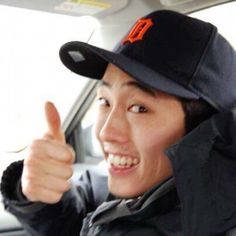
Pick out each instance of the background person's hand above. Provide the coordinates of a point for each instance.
(48, 165)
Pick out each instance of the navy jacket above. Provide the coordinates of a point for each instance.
(199, 200)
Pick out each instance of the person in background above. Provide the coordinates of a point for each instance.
(166, 125)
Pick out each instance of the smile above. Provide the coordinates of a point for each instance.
(122, 161)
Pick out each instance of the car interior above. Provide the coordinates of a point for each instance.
(99, 22)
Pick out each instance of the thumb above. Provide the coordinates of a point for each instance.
(53, 122)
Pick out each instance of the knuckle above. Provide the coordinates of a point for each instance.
(68, 172)
(29, 161)
(26, 184)
(31, 177)
(27, 176)
(62, 186)
(66, 186)
(33, 151)
(28, 173)
(37, 143)
(72, 153)
(30, 180)
(56, 197)
(71, 172)
(30, 192)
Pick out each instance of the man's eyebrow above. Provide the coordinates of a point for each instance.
(135, 84)
(103, 83)
(142, 87)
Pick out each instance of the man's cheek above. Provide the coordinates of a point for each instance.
(97, 127)
(149, 148)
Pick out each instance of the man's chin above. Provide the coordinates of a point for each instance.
(121, 191)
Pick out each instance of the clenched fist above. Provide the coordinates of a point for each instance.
(48, 165)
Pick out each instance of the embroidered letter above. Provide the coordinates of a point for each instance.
(138, 31)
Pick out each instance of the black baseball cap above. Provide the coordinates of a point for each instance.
(167, 51)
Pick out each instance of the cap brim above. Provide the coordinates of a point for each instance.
(91, 61)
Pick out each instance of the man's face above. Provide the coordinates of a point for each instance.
(134, 127)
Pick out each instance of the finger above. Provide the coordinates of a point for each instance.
(45, 150)
(40, 194)
(56, 168)
(47, 181)
(53, 122)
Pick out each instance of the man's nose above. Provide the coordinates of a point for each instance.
(115, 128)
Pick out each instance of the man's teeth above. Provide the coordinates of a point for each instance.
(122, 161)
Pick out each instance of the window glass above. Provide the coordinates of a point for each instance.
(92, 148)
(32, 73)
(223, 16)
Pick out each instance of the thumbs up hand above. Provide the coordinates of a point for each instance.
(54, 123)
(48, 166)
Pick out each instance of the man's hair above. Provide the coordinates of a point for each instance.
(196, 111)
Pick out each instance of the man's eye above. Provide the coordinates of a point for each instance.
(138, 109)
(102, 102)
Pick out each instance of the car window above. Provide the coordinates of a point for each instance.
(223, 17)
(31, 73)
(87, 124)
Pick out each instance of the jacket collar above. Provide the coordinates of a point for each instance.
(140, 207)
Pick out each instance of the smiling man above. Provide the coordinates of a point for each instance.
(129, 113)
(166, 123)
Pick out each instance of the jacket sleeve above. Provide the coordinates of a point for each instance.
(62, 218)
(204, 164)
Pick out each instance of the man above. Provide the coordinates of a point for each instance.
(169, 74)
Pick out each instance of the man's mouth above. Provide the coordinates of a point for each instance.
(120, 161)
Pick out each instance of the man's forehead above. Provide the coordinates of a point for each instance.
(128, 83)
(114, 75)
(114, 71)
